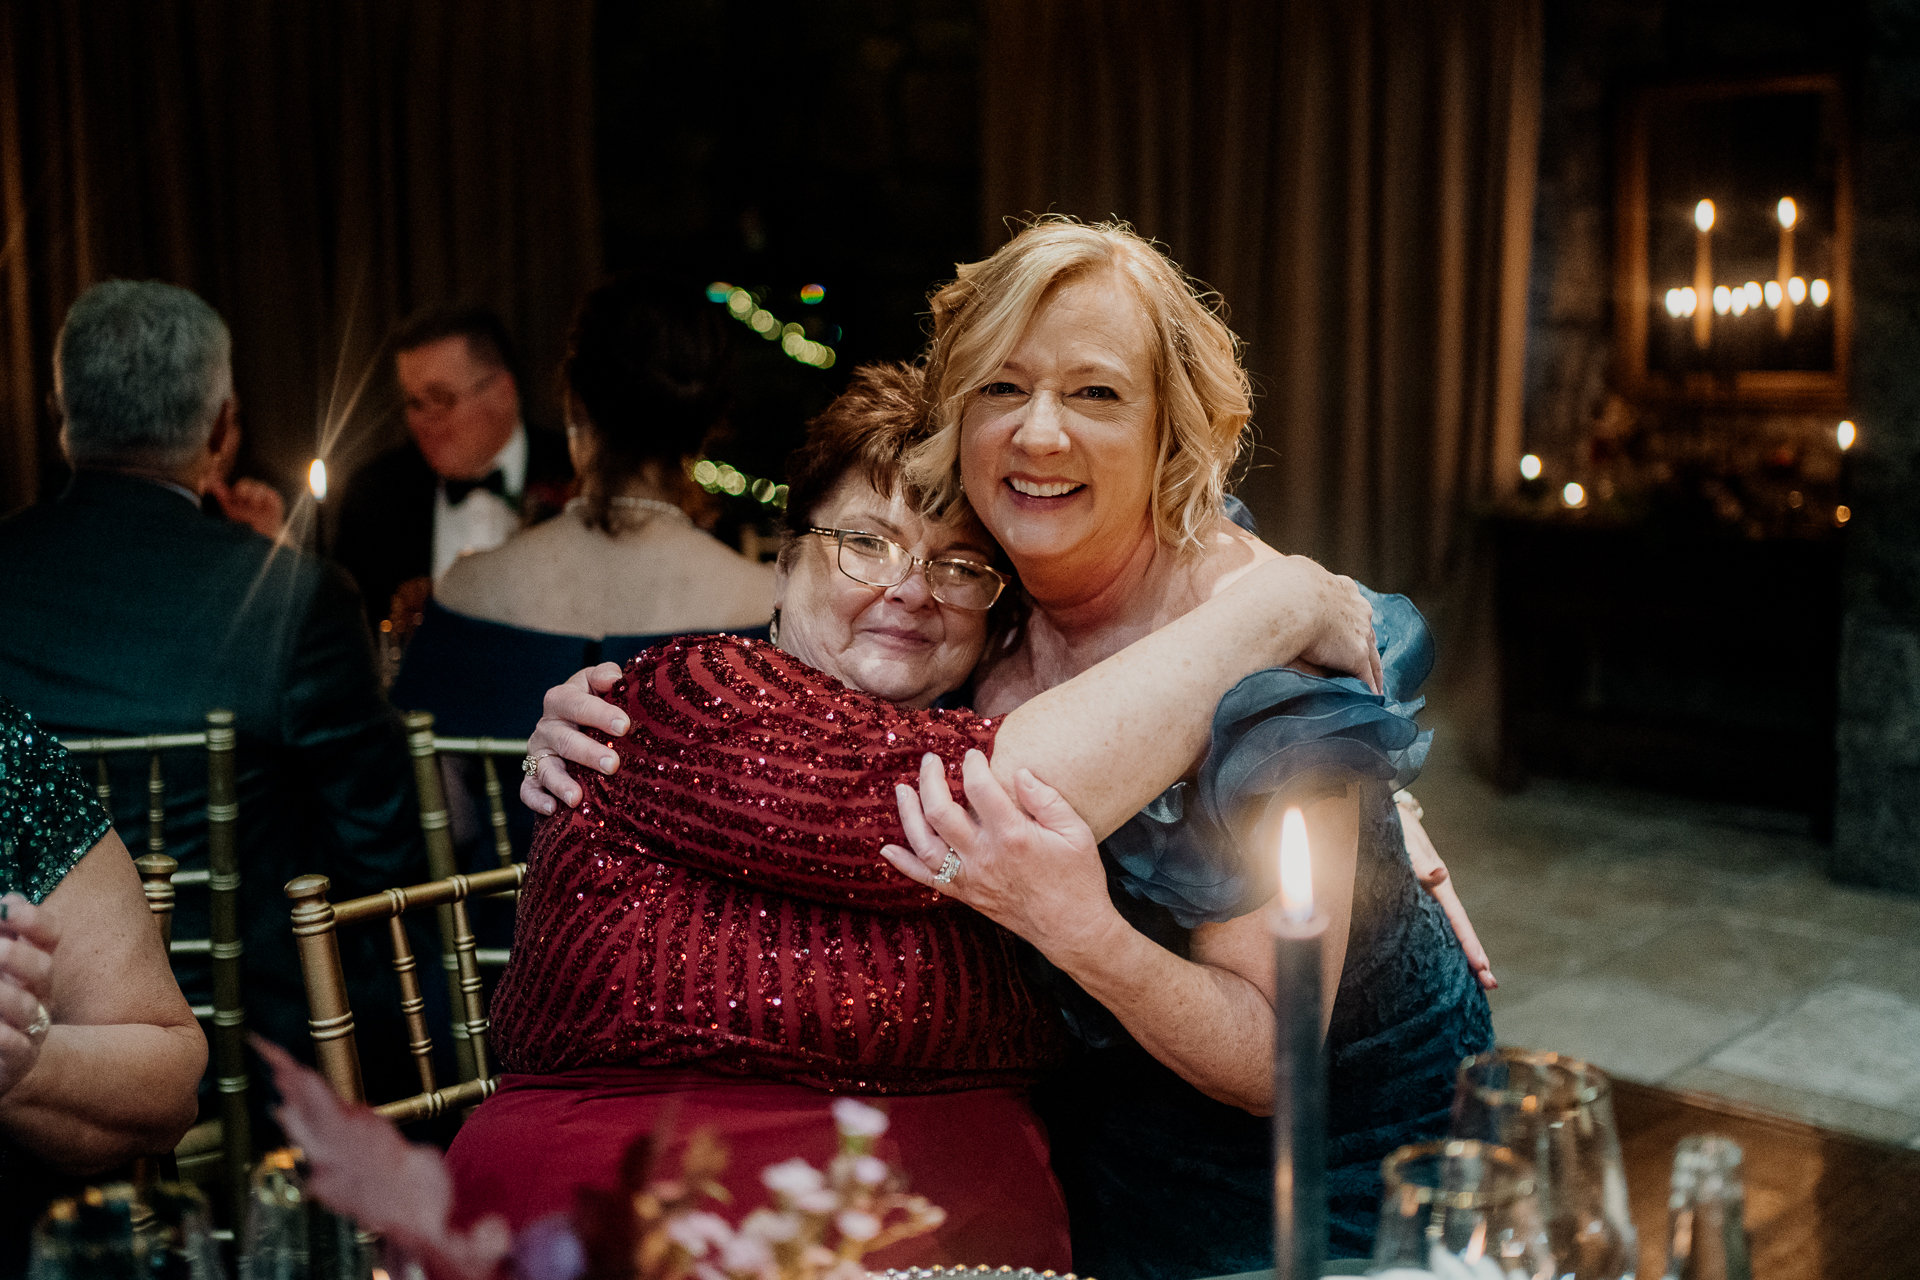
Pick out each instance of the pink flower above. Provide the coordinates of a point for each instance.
(792, 1178)
(855, 1225)
(697, 1232)
(870, 1171)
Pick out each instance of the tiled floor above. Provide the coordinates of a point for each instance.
(1687, 943)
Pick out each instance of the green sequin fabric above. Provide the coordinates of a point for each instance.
(49, 816)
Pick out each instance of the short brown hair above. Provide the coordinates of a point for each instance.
(1205, 399)
(867, 430)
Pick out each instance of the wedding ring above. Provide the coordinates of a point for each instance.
(1405, 800)
(531, 765)
(41, 1024)
(948, 869)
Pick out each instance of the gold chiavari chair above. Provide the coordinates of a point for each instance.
(315, 921)
(427, 748)
(223, 1145)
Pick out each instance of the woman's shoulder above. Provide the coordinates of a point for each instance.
(49, 816)
(499, 584)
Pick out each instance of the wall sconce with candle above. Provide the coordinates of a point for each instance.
(1734, 241)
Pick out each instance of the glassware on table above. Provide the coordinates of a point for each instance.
(273, 1242)
(1707, 1238)
(1459, 1210)
(1556, 1113)
(89, 1237)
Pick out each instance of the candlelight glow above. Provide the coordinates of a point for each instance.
(1774, 293)
(1722, 299)
(1689, 302)
(1846, 435)
(1573, 495)
(1737, 299)
(317, 480)
(1842, 514)
(1296, 868)
(1788, 212)
(1703, 215)
(1674, 303)
(1530, 466)
(1752, 290)
(1819, 292)
(1797, 290)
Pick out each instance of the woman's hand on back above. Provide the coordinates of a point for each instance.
(1031, 867)
(1346, 643)
(557, 739)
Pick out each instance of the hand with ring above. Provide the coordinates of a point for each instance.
(1025, 860)
(28, 936)
(557, 740)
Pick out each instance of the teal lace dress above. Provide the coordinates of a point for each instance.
(49, 818)
(1163, 1182)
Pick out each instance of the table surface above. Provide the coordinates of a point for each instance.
(1820, 1205)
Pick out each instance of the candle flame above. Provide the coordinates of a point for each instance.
(1703, 215)
(1296, 868)
(1846, 434)
(1789, 212)
(317, 480)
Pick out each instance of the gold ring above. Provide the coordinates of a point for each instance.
(531, 765)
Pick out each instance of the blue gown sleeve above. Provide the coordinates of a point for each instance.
(1278, 731)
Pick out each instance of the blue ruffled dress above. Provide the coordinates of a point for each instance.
(1163, 1182)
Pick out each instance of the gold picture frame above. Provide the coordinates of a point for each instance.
(1771, 161)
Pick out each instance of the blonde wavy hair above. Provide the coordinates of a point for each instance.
(1203, 394)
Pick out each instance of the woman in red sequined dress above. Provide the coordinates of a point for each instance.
(688, 951)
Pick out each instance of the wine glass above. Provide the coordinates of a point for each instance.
(1462, 1210)
(1556, 1113)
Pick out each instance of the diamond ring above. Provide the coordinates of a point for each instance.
(41, 1024)
(531, 765)
(948, 869)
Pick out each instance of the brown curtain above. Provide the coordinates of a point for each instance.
(314, 168)
(1356, 178)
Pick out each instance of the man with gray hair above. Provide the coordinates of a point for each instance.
(125, 611)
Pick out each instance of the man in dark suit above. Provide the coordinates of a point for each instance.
(471, 475)
(124, 610)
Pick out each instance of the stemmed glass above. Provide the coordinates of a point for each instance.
(1556, 1113)
(1459, 1211)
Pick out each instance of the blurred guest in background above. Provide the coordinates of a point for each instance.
(124, 610)
(99, 1053)
(471, 475)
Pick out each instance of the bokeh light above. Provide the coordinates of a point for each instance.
(811, 294)
(1530, 466)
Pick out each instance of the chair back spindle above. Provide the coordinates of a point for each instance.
(329, 1015)
(156, 882)
(434, 825)
(229, 1017)
(496, 808)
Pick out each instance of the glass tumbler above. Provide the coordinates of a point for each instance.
(1556, 1113)
(1459, 1211)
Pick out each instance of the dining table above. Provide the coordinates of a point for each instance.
(1820, 1204)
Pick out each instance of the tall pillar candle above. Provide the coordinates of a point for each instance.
(1299, 1067)
(1703, 273)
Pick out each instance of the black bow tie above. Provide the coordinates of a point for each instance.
(457, 490)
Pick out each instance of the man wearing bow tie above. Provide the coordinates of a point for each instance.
(470, 477)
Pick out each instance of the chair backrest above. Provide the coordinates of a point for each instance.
(330, 1020)
(160, 878)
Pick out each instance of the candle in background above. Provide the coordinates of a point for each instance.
(1702, 272)
(1299, 1067)
(1789, 213)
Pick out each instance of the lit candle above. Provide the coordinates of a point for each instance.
(1789, 214)
(1702, 272)
(1299, 1067)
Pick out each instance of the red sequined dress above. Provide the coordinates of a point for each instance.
(713, 937)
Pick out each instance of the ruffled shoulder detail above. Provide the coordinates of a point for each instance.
(1277, 731)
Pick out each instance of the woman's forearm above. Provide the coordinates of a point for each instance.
(1118, 734)
(101, 1095)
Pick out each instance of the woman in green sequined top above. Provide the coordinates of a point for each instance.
(114, 1076)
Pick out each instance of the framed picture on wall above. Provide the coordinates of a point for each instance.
(1734, 225)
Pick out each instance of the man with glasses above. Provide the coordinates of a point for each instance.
(470, 476)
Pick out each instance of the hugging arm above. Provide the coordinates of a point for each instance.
(1032, 867)
(1082, 730)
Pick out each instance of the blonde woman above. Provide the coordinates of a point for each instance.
(1088, 406)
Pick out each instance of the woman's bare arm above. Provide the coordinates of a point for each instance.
(118, 1074)
(1086, 732)
(1034, 869)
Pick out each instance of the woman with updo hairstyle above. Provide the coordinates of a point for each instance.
(647, 380)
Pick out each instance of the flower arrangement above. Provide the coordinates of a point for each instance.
(649, 1227)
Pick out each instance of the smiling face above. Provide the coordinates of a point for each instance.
(1057, 448)
(897, 643)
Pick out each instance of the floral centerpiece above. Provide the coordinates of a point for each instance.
(653, 1226)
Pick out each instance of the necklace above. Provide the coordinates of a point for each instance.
(652, 506)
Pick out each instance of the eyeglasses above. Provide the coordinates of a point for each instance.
(874, 561)
(438, 399)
